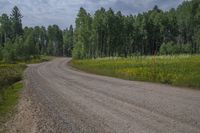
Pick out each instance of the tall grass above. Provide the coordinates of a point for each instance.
(183, 70)
(10, 73)
(11, 96)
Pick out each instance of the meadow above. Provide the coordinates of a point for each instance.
(180, 70)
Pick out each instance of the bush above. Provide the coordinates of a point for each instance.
(167, 48)
(9, 52)
(1, 54)
(171, 48)
(186, 48)
(19, 49)
(78, 52)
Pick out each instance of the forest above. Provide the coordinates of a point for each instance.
(18, 43)
(108, 33)
(105, 33)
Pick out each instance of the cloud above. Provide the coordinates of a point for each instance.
(63, 12)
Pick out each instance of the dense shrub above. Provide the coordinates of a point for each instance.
(78, 52)
(171, 48)
(166, 48)
(9, 52)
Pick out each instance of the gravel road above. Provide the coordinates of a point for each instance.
(74, 101)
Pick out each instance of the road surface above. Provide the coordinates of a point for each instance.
(74, 101)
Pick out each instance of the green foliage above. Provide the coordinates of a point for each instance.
(106, 33)
(110, 33)
(55, 40)
(10, 96)
(68, 41)
(197, 40)
(1, 53)
(9, 100)
(167, 48)
(31, 47)
(16, 22)
(82, 35)
(40, 39)
(180, 70)
(186, 48)
(9, 52)
(171, 48)
(10, 73)
(5, 28)
(78, 51)
(18, 44)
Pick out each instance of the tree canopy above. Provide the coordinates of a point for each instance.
(105, 33)
(109, 33)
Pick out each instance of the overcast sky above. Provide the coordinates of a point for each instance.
(63, 12)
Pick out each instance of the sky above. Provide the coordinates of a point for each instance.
(63, 12)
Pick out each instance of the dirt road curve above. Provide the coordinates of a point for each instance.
(72, 101)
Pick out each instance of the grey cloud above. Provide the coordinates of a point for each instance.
(63, 12)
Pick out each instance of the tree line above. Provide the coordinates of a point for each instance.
(105, 33)
(109, 33)
(18, 43)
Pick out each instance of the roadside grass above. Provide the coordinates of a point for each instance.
(9, 91)
(10, 97)
(10, 75)
(39, 59)
(180, 70)
(35, 60)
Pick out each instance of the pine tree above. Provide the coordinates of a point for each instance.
(16, 22)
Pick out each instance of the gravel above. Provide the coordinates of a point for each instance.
(65, 100)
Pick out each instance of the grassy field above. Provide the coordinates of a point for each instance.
(183, 70)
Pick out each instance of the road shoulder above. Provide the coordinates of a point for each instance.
(24, 119)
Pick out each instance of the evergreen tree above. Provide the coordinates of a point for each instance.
(16, 22)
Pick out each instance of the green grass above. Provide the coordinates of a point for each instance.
(182, 70)
(9, 99)
(10, 73)
(37, 60)
(9, 91)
